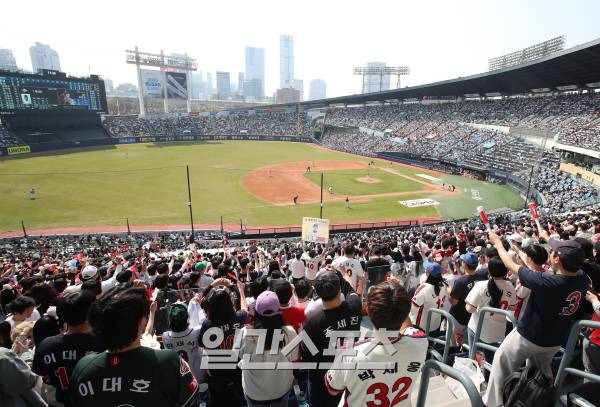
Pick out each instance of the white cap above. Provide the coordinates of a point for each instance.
(88, 272)
(515, 237)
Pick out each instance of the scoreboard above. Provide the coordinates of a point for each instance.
(52, 92)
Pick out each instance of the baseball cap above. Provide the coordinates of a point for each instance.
(433, 268)
(570, 253)
(470, 258)
(267, 304)
(178, 314)
(88, 272)
(200, 266)
(515, 237)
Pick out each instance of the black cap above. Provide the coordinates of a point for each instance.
(570, 253)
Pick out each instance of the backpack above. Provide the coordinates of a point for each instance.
(528, 386)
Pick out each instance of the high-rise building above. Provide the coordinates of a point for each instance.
(43, 57)
(255, 71)
(108, 86)
(287, 95)
(286, 61)
(209, 85)
(196, 85)
(240, 83)
(299, 86)
(7, 60)
(223, 86)
(376, 83)
(318, 89)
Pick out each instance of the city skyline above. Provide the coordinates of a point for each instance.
(327, 51)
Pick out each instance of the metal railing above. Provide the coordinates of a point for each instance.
(467, 383)
(563, 369)
(482, 345)
(447, 342)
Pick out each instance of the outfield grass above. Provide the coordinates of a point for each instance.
(345, 182)
(101, 187)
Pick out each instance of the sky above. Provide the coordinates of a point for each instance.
(439, 40)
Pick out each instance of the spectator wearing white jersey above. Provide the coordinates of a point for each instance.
(183, 339)
(388, 305)
(350, 268)
(429, 295)
(497, 292)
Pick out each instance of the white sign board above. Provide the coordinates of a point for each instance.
(315, 230)
(413, 203)
(152, 82)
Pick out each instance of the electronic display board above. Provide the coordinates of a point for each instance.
(23, 93)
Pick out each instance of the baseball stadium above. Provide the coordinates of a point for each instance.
(184, 242)
(249, 184)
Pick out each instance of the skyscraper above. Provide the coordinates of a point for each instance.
(223, 86)
(196, 84)
(255, 71)
(318, 89)
(209, 86)
(377, 83)
(286, 61)
(7, 60)
(240, 83)
(298, 84)
(43, 57)
(108, 86)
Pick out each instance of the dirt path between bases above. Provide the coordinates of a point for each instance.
(278, 184)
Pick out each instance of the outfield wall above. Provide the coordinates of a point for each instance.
(65, 145)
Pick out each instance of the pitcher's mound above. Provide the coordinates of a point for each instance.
(368, 180)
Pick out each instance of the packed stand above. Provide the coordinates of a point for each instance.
(152, 320)
(267, 124)
(8, 138)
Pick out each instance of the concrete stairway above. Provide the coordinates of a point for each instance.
(438, 394)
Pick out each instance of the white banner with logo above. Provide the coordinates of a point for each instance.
(418, 202)
(152, 83)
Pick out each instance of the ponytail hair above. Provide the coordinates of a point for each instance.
(496, 269)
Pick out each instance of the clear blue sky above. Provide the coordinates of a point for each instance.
(438, 39)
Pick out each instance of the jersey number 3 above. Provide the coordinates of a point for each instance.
(381, 390)
(573, 301)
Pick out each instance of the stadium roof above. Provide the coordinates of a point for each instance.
(579, 66)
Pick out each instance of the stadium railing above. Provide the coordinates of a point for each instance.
(447, 341)
(482, 345)
(564, 368)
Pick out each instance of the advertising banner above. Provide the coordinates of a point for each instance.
(176, 85)
(18, 150)
(152, 83)
(315, 230)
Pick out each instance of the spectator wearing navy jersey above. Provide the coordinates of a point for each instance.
(460, 289)
(553, 303)
(55, 357)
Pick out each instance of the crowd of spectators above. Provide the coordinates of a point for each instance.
(135, 319)
(574, 118)
(8, 138)
(265, 123)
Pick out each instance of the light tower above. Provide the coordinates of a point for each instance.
(165, 63)
(396, 71)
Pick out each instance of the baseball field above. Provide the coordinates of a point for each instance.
(248, 181)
